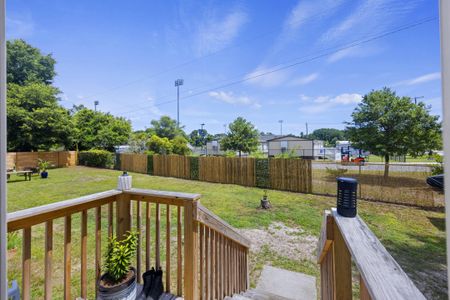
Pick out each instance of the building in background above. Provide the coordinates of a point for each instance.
(300, 147)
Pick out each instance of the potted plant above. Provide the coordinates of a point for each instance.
(265, 203)
(119, 278)
(43, 166)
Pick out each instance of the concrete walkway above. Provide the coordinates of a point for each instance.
(287, 284)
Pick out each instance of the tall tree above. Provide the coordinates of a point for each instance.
(199, 137)
(329, 135)
(26, 64)
(100, 130)
(386, 124)
(165, 127)
(242, 137)
(35, 119)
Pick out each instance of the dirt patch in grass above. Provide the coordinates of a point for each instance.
(289, 242)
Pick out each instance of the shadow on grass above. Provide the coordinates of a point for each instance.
(424, 261)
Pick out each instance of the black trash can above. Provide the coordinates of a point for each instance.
(346, 196)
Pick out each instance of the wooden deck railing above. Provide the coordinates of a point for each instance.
(381, 277)
(210, 256)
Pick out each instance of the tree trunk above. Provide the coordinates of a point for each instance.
(239, 153)
(386, 166)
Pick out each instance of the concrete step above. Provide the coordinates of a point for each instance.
(287, 284)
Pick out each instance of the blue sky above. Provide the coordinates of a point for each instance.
(234, 57)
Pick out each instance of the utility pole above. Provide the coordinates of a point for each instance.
(225, 128)
(95, 105)
(415, 99)
(281, 126)
(306, 128)
(203, 137)
(178, 83)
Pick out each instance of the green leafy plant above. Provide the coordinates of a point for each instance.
(96, 158)
(119, 255)
(439, 168)
(14, 240)
(336, 172)
(43, 165)
(194, 167)
(262, 172)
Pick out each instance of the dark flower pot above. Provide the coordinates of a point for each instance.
(125, 290)
(44, 174)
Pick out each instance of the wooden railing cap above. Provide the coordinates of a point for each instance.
(209, 219)
(163, 194)
(382, 275)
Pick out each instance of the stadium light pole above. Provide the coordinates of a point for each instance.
(281, 126)
(178, 83)
(95, 105)
(444, 11)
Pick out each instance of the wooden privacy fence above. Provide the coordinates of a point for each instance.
(172, 166)
(133, 163)
(290, 174)
(231, 170)
(283, 174)
(58, 159)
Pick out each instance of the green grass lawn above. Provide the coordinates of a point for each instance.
(416, 238)
(410, 159)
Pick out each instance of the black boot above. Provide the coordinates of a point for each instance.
(148, 278)
(157, 287)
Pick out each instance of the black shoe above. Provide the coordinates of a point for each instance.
(148, 278)
(157, 287)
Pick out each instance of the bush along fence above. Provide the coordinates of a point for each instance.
(25, 160)
(232, 170)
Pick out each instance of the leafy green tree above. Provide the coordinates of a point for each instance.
(180, 146)
(386, 125)
(35, 119)
(159, 145)
(197, 138)
(26, 64)
(329, 135)
(98, 130)
(242, 137)
(165, 127)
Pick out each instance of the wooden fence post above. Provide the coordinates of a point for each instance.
(123, 213)
(190, 251)
(342, 267)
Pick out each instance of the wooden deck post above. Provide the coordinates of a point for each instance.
(190, 251)
(123, 213)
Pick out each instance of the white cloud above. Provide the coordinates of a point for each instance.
(323, 103)
(230, 98)
(19, 26)
(369, 15)
(214, 34)
(305, 79)
(260, 78)
(421, 79)
(153, 108)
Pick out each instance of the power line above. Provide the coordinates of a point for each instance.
(316, 57)
(213, 53)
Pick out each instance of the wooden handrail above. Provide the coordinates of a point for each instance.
(209, 219)
(40, 214)
(163, 197)
(227, 252)
(381, 276)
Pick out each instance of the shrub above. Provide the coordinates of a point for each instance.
(118, 256)
(117, 163)
(150, 164)
(262, 172)
(96, 158)
(194, 167)
(439, 168)
(336, 172)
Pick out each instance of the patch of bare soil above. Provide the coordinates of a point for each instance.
(289, 242)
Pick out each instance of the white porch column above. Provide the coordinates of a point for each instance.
(444, 8)
(3, 207)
